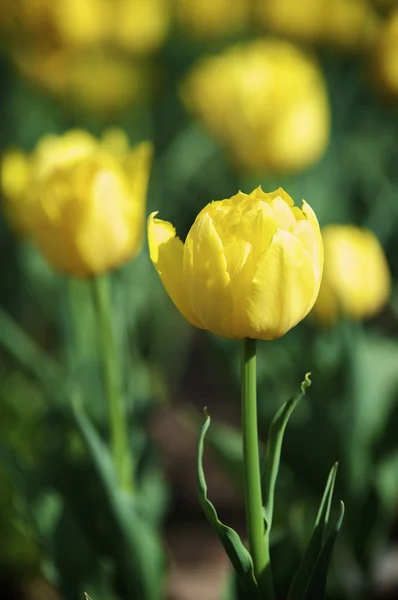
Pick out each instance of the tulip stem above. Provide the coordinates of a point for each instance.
(113, 383)
(253, 498)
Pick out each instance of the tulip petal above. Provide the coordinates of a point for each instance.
(166, 252)
(103, 236)
(282, 289)
(206, 278)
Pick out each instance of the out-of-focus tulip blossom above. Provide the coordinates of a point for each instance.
(102, 83)
(217, 18)
(266, 102)
(385, 56)
(356, 278)
(251, 265)
(86, 200)
(347, 24)
(132, 25)
(15, 175)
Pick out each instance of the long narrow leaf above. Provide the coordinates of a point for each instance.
(135, 542)
(314, 548)
(316, 588)
(236, 551)
(31, 357)
(270, 466)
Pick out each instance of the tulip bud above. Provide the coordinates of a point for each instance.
(356, 278)
(266, 102)
(87, 200)
(251, 265)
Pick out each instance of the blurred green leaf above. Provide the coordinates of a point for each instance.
(31, 357)
(314, 548)
(135, 543)
(316, 588)
(237, 553)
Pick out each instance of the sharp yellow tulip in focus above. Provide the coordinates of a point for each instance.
(204, 19)
(251, 265)
(356, 278)
(347, 24)
(266, 103)
(87, 200)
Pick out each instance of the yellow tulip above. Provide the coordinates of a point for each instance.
(356, 278)
(141, 27)
(87, 201)
(266, 103)
(95, 81)
(385, 56)
(204, 19)
(251, 265)
(347, 24)
(80, 22)
(15, 176)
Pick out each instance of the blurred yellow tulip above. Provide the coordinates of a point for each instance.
(356, 278)
(348, 24)
(15, 175)
(141, 27)
(251, 265)
(134, 25)
(80, 22)
(204, 19)
(87, 200)
(266, 103)
(385, 56)
(94, 81)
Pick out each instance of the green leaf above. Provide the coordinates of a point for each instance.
(32, 358)
(135, 545)
(270, 466)
(226, 445)
(236, 551)
(317, 584)
(314, 548)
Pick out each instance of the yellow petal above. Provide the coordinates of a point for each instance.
(166, 252)
(283, 212)
(206, 278)
(104, 236)
(282, 288)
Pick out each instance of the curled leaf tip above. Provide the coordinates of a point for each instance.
(205, 412)
(306, 383)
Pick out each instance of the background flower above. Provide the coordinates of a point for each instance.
(356, 279)
(266, 102)
(84, 201)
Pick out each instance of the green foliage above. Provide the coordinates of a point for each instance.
(237, 553)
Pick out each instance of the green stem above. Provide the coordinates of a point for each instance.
(253, 499)
(80, 311)
(113, 383)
